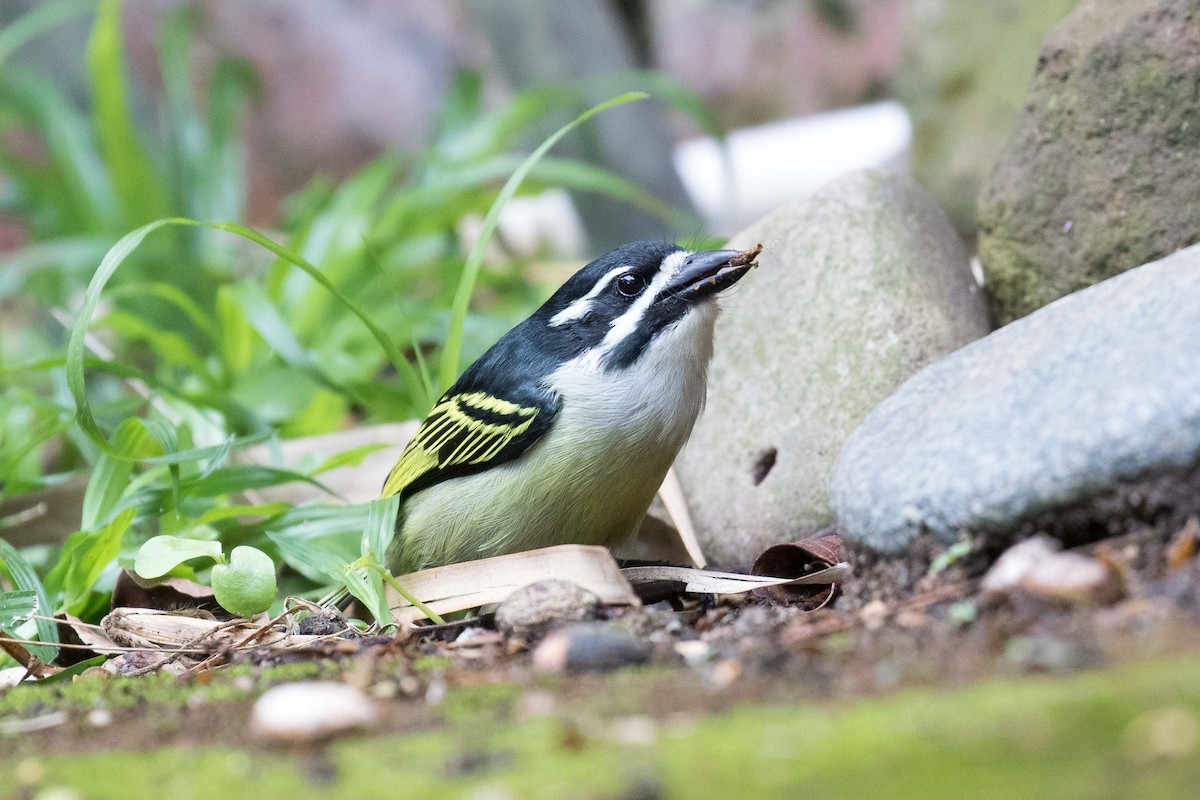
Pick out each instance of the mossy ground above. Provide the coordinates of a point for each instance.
(1128, 731)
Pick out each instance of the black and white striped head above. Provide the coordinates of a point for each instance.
(617, 305)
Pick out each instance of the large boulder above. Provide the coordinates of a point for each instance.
(1101, 172)
(860, 285)
(967, 65)
(1067, 419)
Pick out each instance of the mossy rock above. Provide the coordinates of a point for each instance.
(966, 68)
(1100, 173)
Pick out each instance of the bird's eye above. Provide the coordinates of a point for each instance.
(630, 284)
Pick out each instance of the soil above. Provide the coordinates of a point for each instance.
(898, 627)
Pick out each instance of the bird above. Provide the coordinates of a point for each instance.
(563, 430)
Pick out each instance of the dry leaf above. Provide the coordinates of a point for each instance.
(806, 557)
(457, 587)
(166, 594)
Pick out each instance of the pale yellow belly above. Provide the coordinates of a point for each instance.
(558, 492)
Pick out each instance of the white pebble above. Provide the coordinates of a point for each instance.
(311, 710)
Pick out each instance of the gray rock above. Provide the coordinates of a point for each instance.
(966, 68)
(1095, 391)
(534, 609)
(859, 286)
(1099, 175)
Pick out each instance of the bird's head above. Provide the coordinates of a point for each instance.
(637, 295)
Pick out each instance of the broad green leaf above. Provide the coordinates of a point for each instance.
(246, 585)
(16, 607)
(83, 559)
(452, 351)
(24, 578)
(161, 554)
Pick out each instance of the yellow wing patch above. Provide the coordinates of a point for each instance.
(463, 429)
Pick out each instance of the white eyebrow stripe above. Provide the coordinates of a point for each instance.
(628, 322)
(583, 305)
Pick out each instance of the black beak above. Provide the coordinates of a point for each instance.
(704, 274)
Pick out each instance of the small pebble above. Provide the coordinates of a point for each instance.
(322, 623)
(1074, 579)
(99, 718)
(694, 651)
(588, 647)
(638, 729)
(310, 711)
(531, 611)
(1015, 563)
(874, 614)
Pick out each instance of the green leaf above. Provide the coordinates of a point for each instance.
(236, 334)
(381, 527)
(83, 559)
(452, 351)
(70, 672)
(246, 585)
(240, 477)
(77, 349)
(223, 513)
(24, 578)
(349, 458)
(111, 475)
(137, 185)
(269, 323)
(314, 561)
(161, 554)
(17, 607)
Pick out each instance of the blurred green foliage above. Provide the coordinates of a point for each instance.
(196, 336)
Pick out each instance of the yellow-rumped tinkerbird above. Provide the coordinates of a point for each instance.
(563, 431)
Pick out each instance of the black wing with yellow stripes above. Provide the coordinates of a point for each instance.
(467, 432)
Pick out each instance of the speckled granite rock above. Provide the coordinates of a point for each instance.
(860, 285)
(1097, 390)
(1099, 175)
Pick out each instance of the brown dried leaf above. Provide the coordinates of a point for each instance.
(797, 559)
(165, 594)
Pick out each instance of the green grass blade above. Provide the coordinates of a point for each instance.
(448, 371)
(381, 527)
(134, 178)
(24, 578)
(116, 256)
